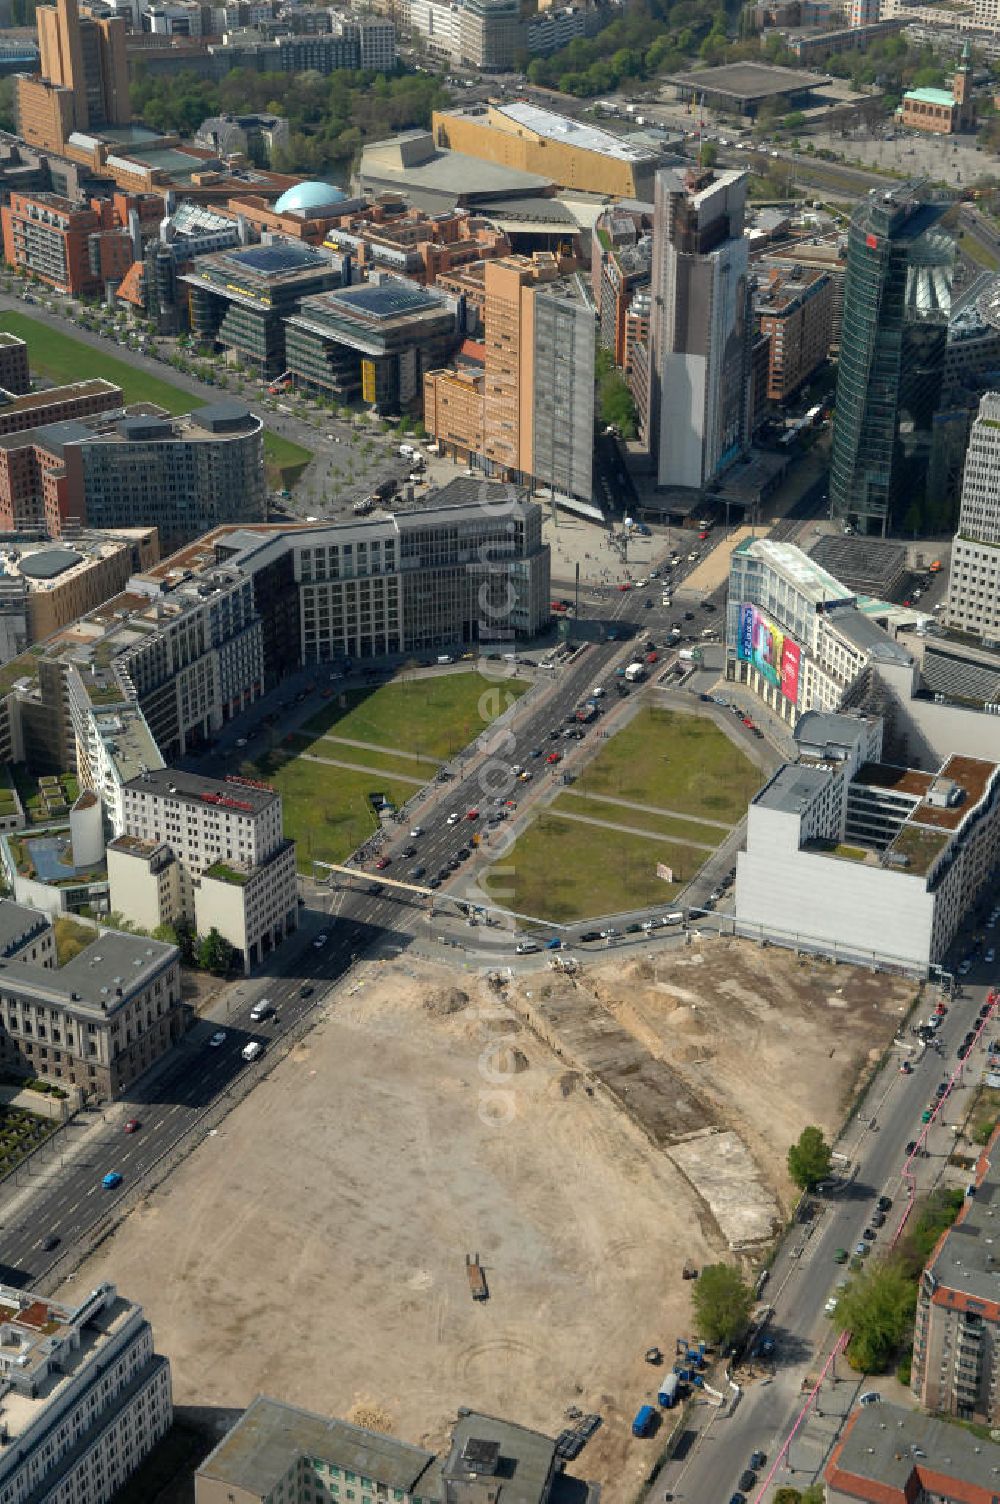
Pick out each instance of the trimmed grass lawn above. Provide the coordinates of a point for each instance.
(434, 717)
(326, 810)
(640, 820)
(391, 764)
(61, 358)
(563, 871)
(676, 762)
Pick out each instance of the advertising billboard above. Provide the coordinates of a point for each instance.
(766, 648)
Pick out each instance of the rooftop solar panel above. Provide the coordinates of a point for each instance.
(387, 299)
(269, 259)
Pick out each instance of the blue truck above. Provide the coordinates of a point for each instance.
(644, 1419)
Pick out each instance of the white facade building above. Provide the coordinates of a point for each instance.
(209, 851)
(865, 861)
(83, 1395)
(701, 329)
(974, 583)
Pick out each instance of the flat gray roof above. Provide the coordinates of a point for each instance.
(526, 1458)
(829, 729)
(750, 80)
(17, 925)
(270, 1437)
(92, 979)
(905, 1454)
(792, 787)
(192, 788)
(869, 636)
(968, 1259)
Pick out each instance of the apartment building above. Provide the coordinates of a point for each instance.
(56, 585)
(794, 312)
(390, 236)
(96, 1023)
(373, 342)
(890, 1455)
(620, 261)
(278, 1451)
(865, 861)
(209, 851)
(58, 404)
(84, 1396)
(74, 249)
(536, 413)
(956, 1339)
(973, 603)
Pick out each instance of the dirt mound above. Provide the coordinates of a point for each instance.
(371, 1417)
(444, 1000)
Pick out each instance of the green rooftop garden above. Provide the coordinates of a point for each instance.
(223, 873)
(920, 845)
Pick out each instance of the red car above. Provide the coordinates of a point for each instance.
(624, 586)
(702, 536)
(472, 814)
(553, 757)
(651, 658)
(133, 1125)
(382, 863)
(746, 720)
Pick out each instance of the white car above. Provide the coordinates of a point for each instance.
(416, 832)
(830, 1306)
(320, 941)
(990, 956)
(526, 948)
(454, 818)
(692, 556)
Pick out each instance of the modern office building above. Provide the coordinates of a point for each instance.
(701, 326)
(620, 262)
(973, 603)
(956, 1338)
(529, 411)
(374, 342)
(866, 861)
(82, 83)
(793, 311)
(209, 851)
(891, 1455)
(85, 1396)
(180, 475)
(276, 1451)
(95, 1023)
(56, 585)
(240, 299)
(570, 153)
(897, 300)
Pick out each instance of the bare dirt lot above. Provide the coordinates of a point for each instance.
(314, 1247)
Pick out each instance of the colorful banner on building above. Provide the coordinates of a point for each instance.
(763, 645)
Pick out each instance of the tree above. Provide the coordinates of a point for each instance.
(877, 1309)
(809, 1159)
(709, 154)
(214, 953)
(788, 1496)
(814, 1494)
(722, 1303)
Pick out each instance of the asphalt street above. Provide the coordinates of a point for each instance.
(805, 1273)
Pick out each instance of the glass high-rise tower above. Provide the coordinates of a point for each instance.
(897, 299)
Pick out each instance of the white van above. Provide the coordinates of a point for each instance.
(445, 658)
(252, 1050)
(260, 1010)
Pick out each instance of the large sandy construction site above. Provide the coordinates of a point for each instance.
(314, 1248)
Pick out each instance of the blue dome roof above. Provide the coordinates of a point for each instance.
(309, 196)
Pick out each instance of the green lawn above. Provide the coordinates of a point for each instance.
(640, 820)
(677, 762)
(563, 871)
(393, 765)
(326, 810)
(61, 358)
(72, 937)
(433, 717)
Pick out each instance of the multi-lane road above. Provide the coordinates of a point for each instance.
(805, 1274)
